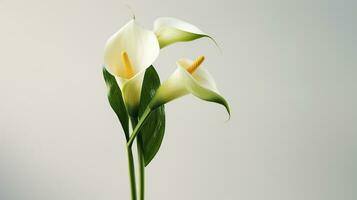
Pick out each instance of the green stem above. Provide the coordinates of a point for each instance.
(141, 168)
(138, 126)
(141, 161)
(131, 173)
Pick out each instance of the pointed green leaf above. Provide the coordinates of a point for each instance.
(152, 132)
(116, 101)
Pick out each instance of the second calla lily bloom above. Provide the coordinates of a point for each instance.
(126, 55)
(189, 78)
(170, 30)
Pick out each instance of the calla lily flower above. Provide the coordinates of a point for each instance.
(189, 79)
(126, 56)
(170, 30)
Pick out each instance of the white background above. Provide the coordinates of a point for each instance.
(288, 69)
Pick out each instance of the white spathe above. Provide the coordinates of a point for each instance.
(142, 48)
(200, 83)
(170, 30)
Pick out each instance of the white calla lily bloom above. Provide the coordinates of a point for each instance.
(170, 30)
(127, 54)
(189, 79)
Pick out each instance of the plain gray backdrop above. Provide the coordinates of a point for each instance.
(287, 68)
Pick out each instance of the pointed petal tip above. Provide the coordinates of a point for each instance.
(228, 111)
(224, 103)
(220, 100)
(130, 10)
(215, 43)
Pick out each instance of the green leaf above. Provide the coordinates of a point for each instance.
(152, 132)
(116, 101)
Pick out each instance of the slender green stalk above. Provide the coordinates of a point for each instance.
(131, 173)
(135, 132)
(141, 167)
(141, 162)
(138, 126)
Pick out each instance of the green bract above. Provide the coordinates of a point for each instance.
(116, 101)
(153, 130)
